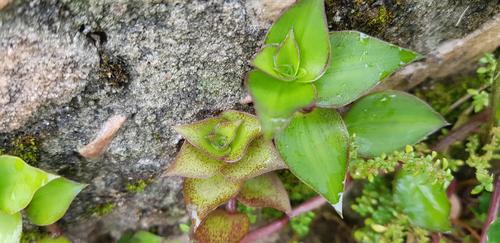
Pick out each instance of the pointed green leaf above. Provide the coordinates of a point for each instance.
(225, 137)
(18, 183)
(60, 239)
(265, 191)
(276, 101)
(314, 146)
(265, 62)
(51, 202)
(308, 21)
(261, 158)
(426, 204)
(223, 227)
(11, 227)
(287, 57)
(192, 163)
(389, 120)
(358, 63)
(494, 232)
(202, 196)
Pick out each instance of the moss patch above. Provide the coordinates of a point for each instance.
(34, 235)
(25, 147)
(137, 186)
(102, 209)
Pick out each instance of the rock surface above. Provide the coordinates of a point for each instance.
(67, 66)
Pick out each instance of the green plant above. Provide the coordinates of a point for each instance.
(384, 220)
(102, 209)
(482, 162)
(301, 224)
(44, 196)
(136, 186)
(420, 180)
(301, 75)
(225, 158)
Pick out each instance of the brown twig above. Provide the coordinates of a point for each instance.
(468, 228)
(463, 131)
(277, 225)
(492, 211)
(453, 55)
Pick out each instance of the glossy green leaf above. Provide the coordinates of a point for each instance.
(225, 137)
(494, 232)
(287, 57)
(202, 196)
(308, 21)
(264, 61)
(192, 163)
(265, 191)
(389, 120)
(426, 204)
(60, 239)
(51, 202)
(276, 101)
(314, 146)
(223, 227)
(358, 63)
(18, 183)
(11, 227)
(261, 158)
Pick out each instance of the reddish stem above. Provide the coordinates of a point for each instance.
(493, 210)
(436, 237)
(277, 225)
(54, 230)
(231, 205)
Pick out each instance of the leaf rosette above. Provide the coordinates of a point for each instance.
(226, 157)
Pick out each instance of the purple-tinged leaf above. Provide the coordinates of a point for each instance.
(261, 158)
(225, 137)
(192, 163)
(202, 196)
(265, 191)
(222, 227)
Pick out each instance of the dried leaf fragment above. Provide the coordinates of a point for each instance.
(108, 131)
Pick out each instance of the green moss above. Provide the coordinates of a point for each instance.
(30, 236)
(25, 147)
(137, 186)
(383, 18)
(103, 209)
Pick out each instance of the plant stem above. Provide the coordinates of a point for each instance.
(436, 237)
(231, 205)
(54, 230)
(277, 225)
(493, 209)
(463, 131)
(464, 99)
